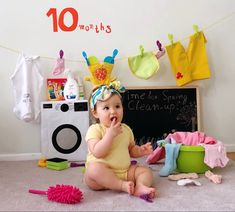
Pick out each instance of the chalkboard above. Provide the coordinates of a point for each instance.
(154, 112)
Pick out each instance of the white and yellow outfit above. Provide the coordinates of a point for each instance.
(118, 159)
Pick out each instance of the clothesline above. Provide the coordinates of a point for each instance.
(124, 58)
(214, 24)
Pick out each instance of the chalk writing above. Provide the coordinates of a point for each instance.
(151, 113)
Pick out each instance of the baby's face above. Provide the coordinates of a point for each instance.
(109, 110)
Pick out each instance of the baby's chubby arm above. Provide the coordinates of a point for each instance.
(100, 148)
(139, 151)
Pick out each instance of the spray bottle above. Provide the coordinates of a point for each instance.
(71, 90)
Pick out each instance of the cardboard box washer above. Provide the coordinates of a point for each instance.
(63, 128)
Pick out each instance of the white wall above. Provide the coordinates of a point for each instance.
(25, 27)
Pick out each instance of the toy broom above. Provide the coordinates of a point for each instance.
(61, 193)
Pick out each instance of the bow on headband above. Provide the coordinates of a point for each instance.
(103, 92)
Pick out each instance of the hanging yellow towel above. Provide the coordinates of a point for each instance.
(198, 57)
(191, 64)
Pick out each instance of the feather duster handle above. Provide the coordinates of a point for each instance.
(33, 191)
(61, 193)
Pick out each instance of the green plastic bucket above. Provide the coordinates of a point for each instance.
(191, 159)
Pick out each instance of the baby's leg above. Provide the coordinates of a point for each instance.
(99, 176)
(143, 178)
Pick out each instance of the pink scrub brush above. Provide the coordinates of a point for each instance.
(61, 193)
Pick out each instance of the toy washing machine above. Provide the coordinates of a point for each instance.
(63, 128)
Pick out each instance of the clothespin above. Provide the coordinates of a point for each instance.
(61, 54)
(159, 45)
(85, 56)
(195, 28)
(141, 50)
(170, 37)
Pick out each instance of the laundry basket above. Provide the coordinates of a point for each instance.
(191, 159)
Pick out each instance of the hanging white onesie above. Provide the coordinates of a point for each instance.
(27, 83)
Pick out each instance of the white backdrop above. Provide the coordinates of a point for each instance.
(26, 27)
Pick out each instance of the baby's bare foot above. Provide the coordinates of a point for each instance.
(128, 186)
(142, 189)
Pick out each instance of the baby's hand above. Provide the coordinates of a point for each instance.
(146, 149)
(115, 128)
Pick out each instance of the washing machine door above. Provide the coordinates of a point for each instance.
(66, 138)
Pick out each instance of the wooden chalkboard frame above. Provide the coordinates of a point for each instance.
(126, 97)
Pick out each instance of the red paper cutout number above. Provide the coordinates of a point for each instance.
(60, 23)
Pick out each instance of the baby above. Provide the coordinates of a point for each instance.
(111, 146)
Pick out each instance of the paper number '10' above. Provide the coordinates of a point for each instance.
(60, 22)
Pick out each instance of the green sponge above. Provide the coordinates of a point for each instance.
(57, 163)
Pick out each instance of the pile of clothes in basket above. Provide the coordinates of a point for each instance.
(215, 152)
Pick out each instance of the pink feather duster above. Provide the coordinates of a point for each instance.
(61, 193)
